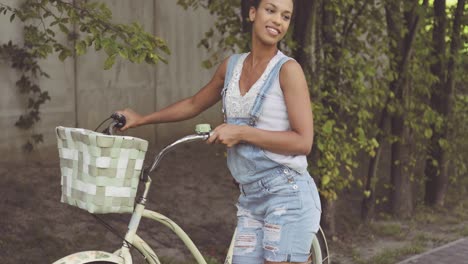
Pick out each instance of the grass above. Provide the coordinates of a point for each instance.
(464, 231)
(393, 255)
(394, 230)
(388, 240)
(389, 256)
(430, 240)
(426, 215)
(461, 210)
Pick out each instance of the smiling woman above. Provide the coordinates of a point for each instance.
(268, 132)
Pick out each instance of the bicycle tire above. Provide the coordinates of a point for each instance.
(100, 262)
(319, 249)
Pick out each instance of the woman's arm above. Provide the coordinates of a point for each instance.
(184, 109)
(298, 141)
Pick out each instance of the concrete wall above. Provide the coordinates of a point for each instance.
(83, 94)
(183, 76)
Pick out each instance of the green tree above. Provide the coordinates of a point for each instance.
(346, 94)
(368, 69)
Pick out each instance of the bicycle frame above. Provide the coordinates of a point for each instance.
(140, 212)
(122, 255)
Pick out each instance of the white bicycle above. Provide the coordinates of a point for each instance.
(132, 241)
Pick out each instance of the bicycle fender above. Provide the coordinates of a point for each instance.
(89, 256)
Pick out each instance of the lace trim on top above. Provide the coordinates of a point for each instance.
(238, 105)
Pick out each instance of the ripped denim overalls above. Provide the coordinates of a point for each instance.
(278, 208)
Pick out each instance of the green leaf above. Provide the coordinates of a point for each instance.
(109, 62)
(124, 53)
(63, 55)
(207, 64)
(444, 144)
(367, 193)
(63, 28)
(320, 146)
(328, 127)
(47, 14)
(12, 17)
(97, 44)
(325, 180)
(50, 32)
(428, 133)
(163, 60)
(80, 47)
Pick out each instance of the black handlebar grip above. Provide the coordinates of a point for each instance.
(121, 120)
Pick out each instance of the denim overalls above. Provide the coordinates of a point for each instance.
(278, 208)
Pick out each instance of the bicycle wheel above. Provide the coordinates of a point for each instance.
(88, 257)
(99, 262)
(319, 251)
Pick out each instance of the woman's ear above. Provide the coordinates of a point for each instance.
(252, 13)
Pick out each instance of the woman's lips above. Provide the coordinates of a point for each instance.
(273, 31)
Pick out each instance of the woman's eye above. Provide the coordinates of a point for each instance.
(286, 18)
(269, 10)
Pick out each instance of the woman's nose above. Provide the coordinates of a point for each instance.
(277, 19)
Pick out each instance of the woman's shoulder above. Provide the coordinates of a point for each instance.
(290, 66)
(291, 70)
(288, 63)
(285, 56)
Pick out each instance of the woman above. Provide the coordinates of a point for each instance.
(268, 132)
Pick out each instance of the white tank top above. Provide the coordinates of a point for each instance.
(274, 115)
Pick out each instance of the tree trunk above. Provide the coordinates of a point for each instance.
(401, 47)
(368, 202)
(441, 100)
(401, 193)
(304, 21)
(327, 221)
(330, 51)
(434, 172)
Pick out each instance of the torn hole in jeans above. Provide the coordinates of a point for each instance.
(272, 232)
(245, 243)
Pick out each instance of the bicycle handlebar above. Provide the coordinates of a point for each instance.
(202, 133)
(199, 136)
(118, 121)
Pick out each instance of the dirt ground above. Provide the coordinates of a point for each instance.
(192, 187)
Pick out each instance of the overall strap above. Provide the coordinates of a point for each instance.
(257, 107)
(232, 62)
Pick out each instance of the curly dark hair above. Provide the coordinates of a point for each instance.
(256, 3)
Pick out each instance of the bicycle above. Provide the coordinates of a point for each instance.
(319, 248)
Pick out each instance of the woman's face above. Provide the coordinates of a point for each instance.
(271, 20)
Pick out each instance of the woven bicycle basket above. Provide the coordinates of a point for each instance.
(99, 173)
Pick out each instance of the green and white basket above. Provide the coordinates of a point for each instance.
(100, 173)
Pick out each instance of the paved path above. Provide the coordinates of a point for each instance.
(452, 253)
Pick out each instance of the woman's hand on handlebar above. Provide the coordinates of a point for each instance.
(133, 118)
(226, 134)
